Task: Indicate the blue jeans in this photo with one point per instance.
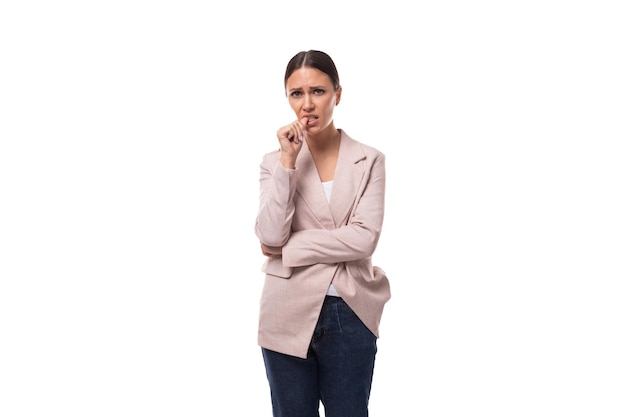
(338, 369)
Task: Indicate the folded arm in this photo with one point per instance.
(357, 239)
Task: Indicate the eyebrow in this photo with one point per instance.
(315, 87)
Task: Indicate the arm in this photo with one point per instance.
(355, 240)
(278, 186)
(276, 206)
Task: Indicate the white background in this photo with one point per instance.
(131, 134)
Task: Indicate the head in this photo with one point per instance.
(313, 89)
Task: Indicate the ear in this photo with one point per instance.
(338, 96)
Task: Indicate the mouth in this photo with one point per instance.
(311, 120)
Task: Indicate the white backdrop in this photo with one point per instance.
(131, 134)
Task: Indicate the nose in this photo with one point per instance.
(308, 102)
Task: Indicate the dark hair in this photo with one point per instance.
(314, 59)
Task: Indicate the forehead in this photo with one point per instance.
(306, 77)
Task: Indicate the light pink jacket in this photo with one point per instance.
(322, 242)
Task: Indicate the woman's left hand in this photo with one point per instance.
(271, 250)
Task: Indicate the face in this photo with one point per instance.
(311, 95)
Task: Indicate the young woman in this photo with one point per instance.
(322, 198)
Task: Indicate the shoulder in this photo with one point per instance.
(270, 158)
(354, 146)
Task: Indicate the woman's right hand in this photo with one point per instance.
(290, 138)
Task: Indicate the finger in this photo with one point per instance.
(300, 126)
(295, 132)
(294, 135)
(290, 133)
(303, 123)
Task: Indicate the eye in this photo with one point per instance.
(296, 93)
(319, 91)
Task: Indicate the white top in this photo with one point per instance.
(328, 188)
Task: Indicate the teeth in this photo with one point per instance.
(311, 118)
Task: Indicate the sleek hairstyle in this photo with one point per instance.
(314, 59)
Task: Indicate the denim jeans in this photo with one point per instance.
(338, 369)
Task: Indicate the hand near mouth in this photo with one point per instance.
(290, 138)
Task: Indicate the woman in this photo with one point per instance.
(321, 211)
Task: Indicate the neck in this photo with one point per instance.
(324, 140)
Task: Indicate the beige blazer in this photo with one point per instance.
(322, 242)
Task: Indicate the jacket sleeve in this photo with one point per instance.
(353, 241)
(276, 205)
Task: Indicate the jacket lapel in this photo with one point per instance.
(347, 181)
(310, 188)
(349, 174)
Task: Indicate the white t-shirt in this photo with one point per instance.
(328, 188)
